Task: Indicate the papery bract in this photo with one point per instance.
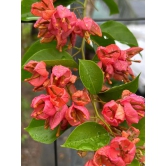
(39, 73)
(76, 115)
(109, 54)
(43, 9)
(61, 25)
(101, 157)
(43, 108)
(61, 76)
(116, 62)
(59, 96)
(59, 115)
(80, 98)
(121, 149)
(113, 113)
(87, 27)
(134, 107)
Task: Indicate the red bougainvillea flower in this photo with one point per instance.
(59, 96)
(43, 86)
(116, 62)
(61, 76)
(109, 54)
(44, 33)
(85, 27)
(122, 150)
(133, 51)
(76, 115)
(113, 113)
(43, 108)
(39, 72)
(56, 119)
(61, 25)
(101, 157)
(134, 106)
(43, 9)
(80, 98)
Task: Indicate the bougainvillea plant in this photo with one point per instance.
(115, 129)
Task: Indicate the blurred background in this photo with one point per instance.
(132, 14)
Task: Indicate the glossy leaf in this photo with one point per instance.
(63, 2)
(134, 163)
(88, 136)
(115, 92)
(51, 57)
(39, 134)
(119, 32)
(91, 76)
(103, 41)
(35, 47)
(112, 6)
(26, 8)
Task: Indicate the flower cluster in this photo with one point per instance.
(130, 107)
(60, 24)
(116, 62)
(62, 105)
(120, 152)
(52, 107)
(59, 86)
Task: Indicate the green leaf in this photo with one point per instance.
(91, 76)
(89, 136)
(119, 32)
(51, 56)
(115, 92)
(38, 133)
(105, 40)
(26, 8)
(63, 2)
(134, 163)
(35, 47)
(112, 6)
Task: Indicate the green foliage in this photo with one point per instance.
(115, 92)
(47, 53)
(91, 76)
(88, 136)
(119, 32)
(40, 134)
(112, 6)
(105, 40)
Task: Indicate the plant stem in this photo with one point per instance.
(95, 108)
(85, 4)
(80, 3)
(83, 40)
(76, 53)
(82, 48)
